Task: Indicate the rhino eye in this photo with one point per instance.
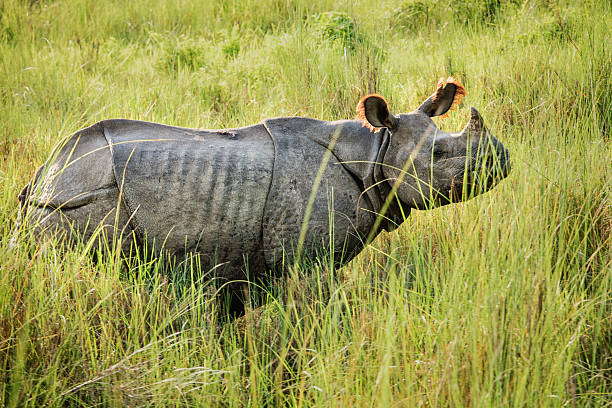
(438, 151)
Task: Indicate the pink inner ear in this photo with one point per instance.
(361, 115)
(459, 93)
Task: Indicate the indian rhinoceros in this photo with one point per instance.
(264, 194)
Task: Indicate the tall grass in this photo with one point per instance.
(504, 300)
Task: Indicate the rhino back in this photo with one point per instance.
(193, 190)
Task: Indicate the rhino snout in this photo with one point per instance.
(502, 163)
(494, 164)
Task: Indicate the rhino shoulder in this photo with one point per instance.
(312, 193)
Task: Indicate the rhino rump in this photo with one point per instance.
(75, 192)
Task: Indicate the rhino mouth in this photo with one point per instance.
(480, 180)
(455, 193)
(485, 176)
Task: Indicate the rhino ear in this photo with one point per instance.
(375, 114)
(448, 94)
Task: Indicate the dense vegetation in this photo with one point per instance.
(501, 300)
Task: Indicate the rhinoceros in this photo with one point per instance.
(256, 198)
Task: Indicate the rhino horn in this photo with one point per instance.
(475, 126)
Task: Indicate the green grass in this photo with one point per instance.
(504, 300)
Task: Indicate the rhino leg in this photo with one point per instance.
(74, 196)
(102, 220)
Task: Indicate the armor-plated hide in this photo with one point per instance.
(259, 195)
(229, 195)
(335, 162)
(195, 191)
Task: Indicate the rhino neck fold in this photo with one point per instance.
(392, 215)
(361, 152)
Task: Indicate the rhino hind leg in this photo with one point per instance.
(102, 223)
(74, 196)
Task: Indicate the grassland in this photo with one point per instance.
(504, 300)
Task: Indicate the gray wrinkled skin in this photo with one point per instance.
(240, 197)
(435, 161)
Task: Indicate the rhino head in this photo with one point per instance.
(428, 166)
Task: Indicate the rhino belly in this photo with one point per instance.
(203, 193)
